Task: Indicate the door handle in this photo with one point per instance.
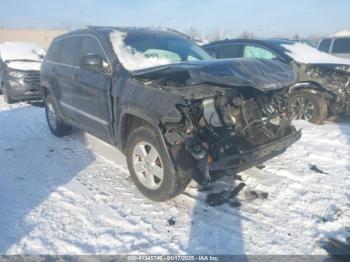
(54, 70)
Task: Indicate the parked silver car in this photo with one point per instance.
(336, 45)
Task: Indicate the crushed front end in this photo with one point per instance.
(228, 121)
(233, 130)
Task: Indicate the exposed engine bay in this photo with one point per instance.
(221, 124)
(227, 122)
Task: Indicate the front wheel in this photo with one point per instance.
(150, 168)
(57, 126)
(309, 106)
(8, 99)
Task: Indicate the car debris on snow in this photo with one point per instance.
(316, 169)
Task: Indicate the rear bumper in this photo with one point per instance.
(257, 155)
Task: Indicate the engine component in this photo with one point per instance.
(210, 113)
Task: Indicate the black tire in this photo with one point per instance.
(171, 185)
(7, 98)
(60, 128)
(308, 97)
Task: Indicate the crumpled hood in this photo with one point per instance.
(262, 74)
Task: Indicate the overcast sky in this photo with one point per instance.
(264, 18)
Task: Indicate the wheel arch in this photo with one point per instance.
(45, 91)
(313, 87)
(130, 120)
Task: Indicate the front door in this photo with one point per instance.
(95, 88)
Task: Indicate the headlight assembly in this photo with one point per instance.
(16, 74)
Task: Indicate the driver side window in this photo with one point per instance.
(90, 46)
(251, 51)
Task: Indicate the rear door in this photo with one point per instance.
(95, 88)
(226, 51)
(69, 94)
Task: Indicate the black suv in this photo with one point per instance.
(323, 87)
(176, 113)
(20, 71)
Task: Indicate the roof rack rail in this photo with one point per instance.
(167, 29)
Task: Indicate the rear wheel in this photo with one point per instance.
(309, 106)
(57, 126)
(150, 168)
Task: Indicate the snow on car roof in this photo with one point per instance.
(130, 58)
(303, 53)
(20, 51)
(342, 33)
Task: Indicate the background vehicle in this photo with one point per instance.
(323, 80)
(336, 45)
(20, 71)
(175, 112)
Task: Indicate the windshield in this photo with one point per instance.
(139, 50)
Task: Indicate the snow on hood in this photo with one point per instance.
(24, 65)
(342, 33)
(130, 58)
(303, 53)
(20, 51)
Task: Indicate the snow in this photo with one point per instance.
(73, 195)
(22, 50)
(303, 53)
(342, 33)
(130, 58)
(24, 65)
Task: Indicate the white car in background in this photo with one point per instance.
(20, 71)
(337, 44)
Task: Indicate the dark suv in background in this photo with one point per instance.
(176, 113)
(323, 87)
(20, 71)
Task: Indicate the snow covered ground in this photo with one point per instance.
(73, 195)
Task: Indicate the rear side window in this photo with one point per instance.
(69, 51)
(91, 46)
(251, 51)
(324, 45)
(54, 51)
(341, 45)
(229, 51)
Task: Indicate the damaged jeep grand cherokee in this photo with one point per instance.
(158, 97)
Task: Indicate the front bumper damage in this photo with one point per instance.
(256, 155)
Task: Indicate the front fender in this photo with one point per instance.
(133, 112)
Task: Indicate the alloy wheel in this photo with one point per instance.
(302, 108)
(148, 165)
(51, 115)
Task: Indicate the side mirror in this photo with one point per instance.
(92, 62)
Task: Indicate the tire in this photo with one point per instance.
(57, 126)
(309, 106)
(165, 187)
(7, 98)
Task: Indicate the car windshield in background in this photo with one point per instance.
(139, 50)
